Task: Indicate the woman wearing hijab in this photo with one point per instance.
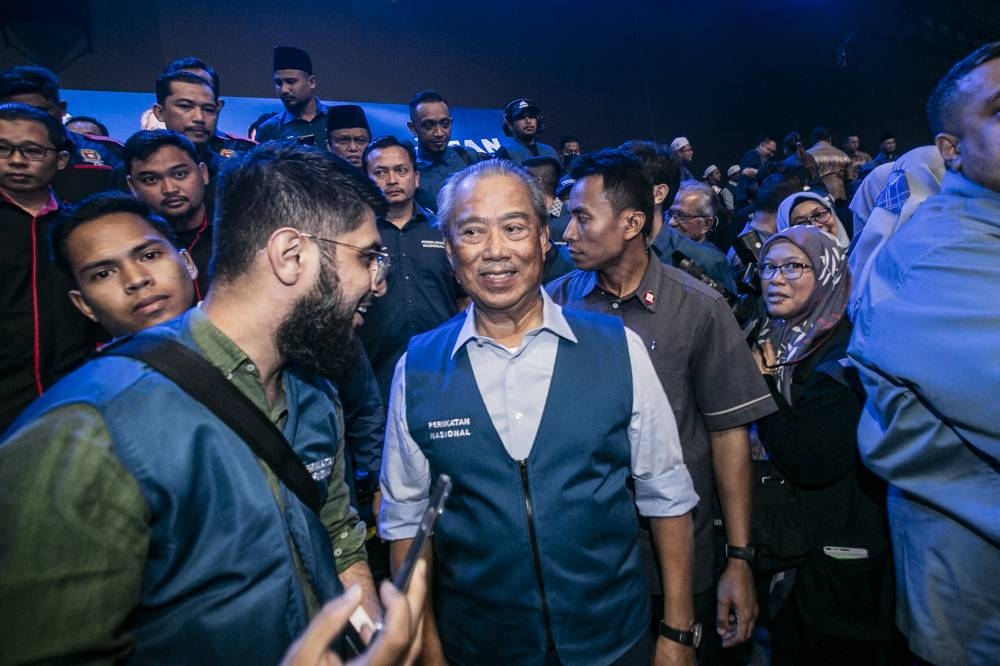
(835, 606)
(812, 209)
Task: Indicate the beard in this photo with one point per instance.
(318, 334)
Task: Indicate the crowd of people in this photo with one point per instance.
(676, 408)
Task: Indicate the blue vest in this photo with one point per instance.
(219, 584)
(489, 603)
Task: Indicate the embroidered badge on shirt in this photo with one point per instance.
(91, 156)
(226, 152)
(449, 428)
(435, 244)
(321, 469)
(649, 298)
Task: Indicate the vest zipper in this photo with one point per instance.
(550, 642)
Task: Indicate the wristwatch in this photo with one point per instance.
(689, 638)
(734, 553)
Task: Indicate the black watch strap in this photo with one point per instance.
(689, 638)
(734, 553)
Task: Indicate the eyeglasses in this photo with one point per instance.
(792, 270)
(817, 219)
(379, 261)
(684, 218)
(30, 151)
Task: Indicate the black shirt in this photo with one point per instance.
(421, 293)
(44, 335)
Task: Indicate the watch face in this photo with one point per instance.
(696, 630)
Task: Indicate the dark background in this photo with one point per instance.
(720, 73)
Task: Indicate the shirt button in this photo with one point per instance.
(615, 306)
(337, 552)
(519, 416)
(406, 277)
(251, 367)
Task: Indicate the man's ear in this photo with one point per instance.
(219, 103)
(285, 249)
(189, 264)
(448, 251)
(131, 187)
(158, 112)
(77, 299)
(660, 192)
(947, 145)
(205, 177)
(634, 223)
(413, 128)
(62, 160)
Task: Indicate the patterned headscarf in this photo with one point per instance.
(793, 337)
(784, 216)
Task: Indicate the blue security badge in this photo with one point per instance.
(449, 428)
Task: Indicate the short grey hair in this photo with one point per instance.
(708, 205)
(447, 204)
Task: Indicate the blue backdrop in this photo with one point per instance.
(120, 112)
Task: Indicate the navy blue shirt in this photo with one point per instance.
(421, 293)
(286, 126)
(435, 169)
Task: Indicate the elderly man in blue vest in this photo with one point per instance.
(554, 428)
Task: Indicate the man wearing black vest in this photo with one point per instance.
(545, 419)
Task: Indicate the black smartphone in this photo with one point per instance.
(352, 644)
(435, 507)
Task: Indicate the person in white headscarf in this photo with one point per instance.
(812, 208)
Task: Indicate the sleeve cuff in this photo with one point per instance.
(670, 494)
(400, 521)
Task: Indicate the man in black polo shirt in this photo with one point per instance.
(44, 336)
(163, 170)
(188, 103)
(421, 289)
(304, 117)
(703, 363)
(221, 143)
(92, 159)
(430, 122)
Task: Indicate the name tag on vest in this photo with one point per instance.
(449, 428)
(432, 244)
(321, 469)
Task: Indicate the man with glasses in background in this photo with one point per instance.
(44, 336)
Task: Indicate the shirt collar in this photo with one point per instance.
(552, 321)
(220, 351)
(50, 206)
(287, 117)
(647, 291)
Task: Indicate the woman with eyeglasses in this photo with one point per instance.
(812, 208)
(834, 606)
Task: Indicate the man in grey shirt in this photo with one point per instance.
(700, 357)
(540, 538)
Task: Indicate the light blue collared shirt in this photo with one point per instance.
(514, 384)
